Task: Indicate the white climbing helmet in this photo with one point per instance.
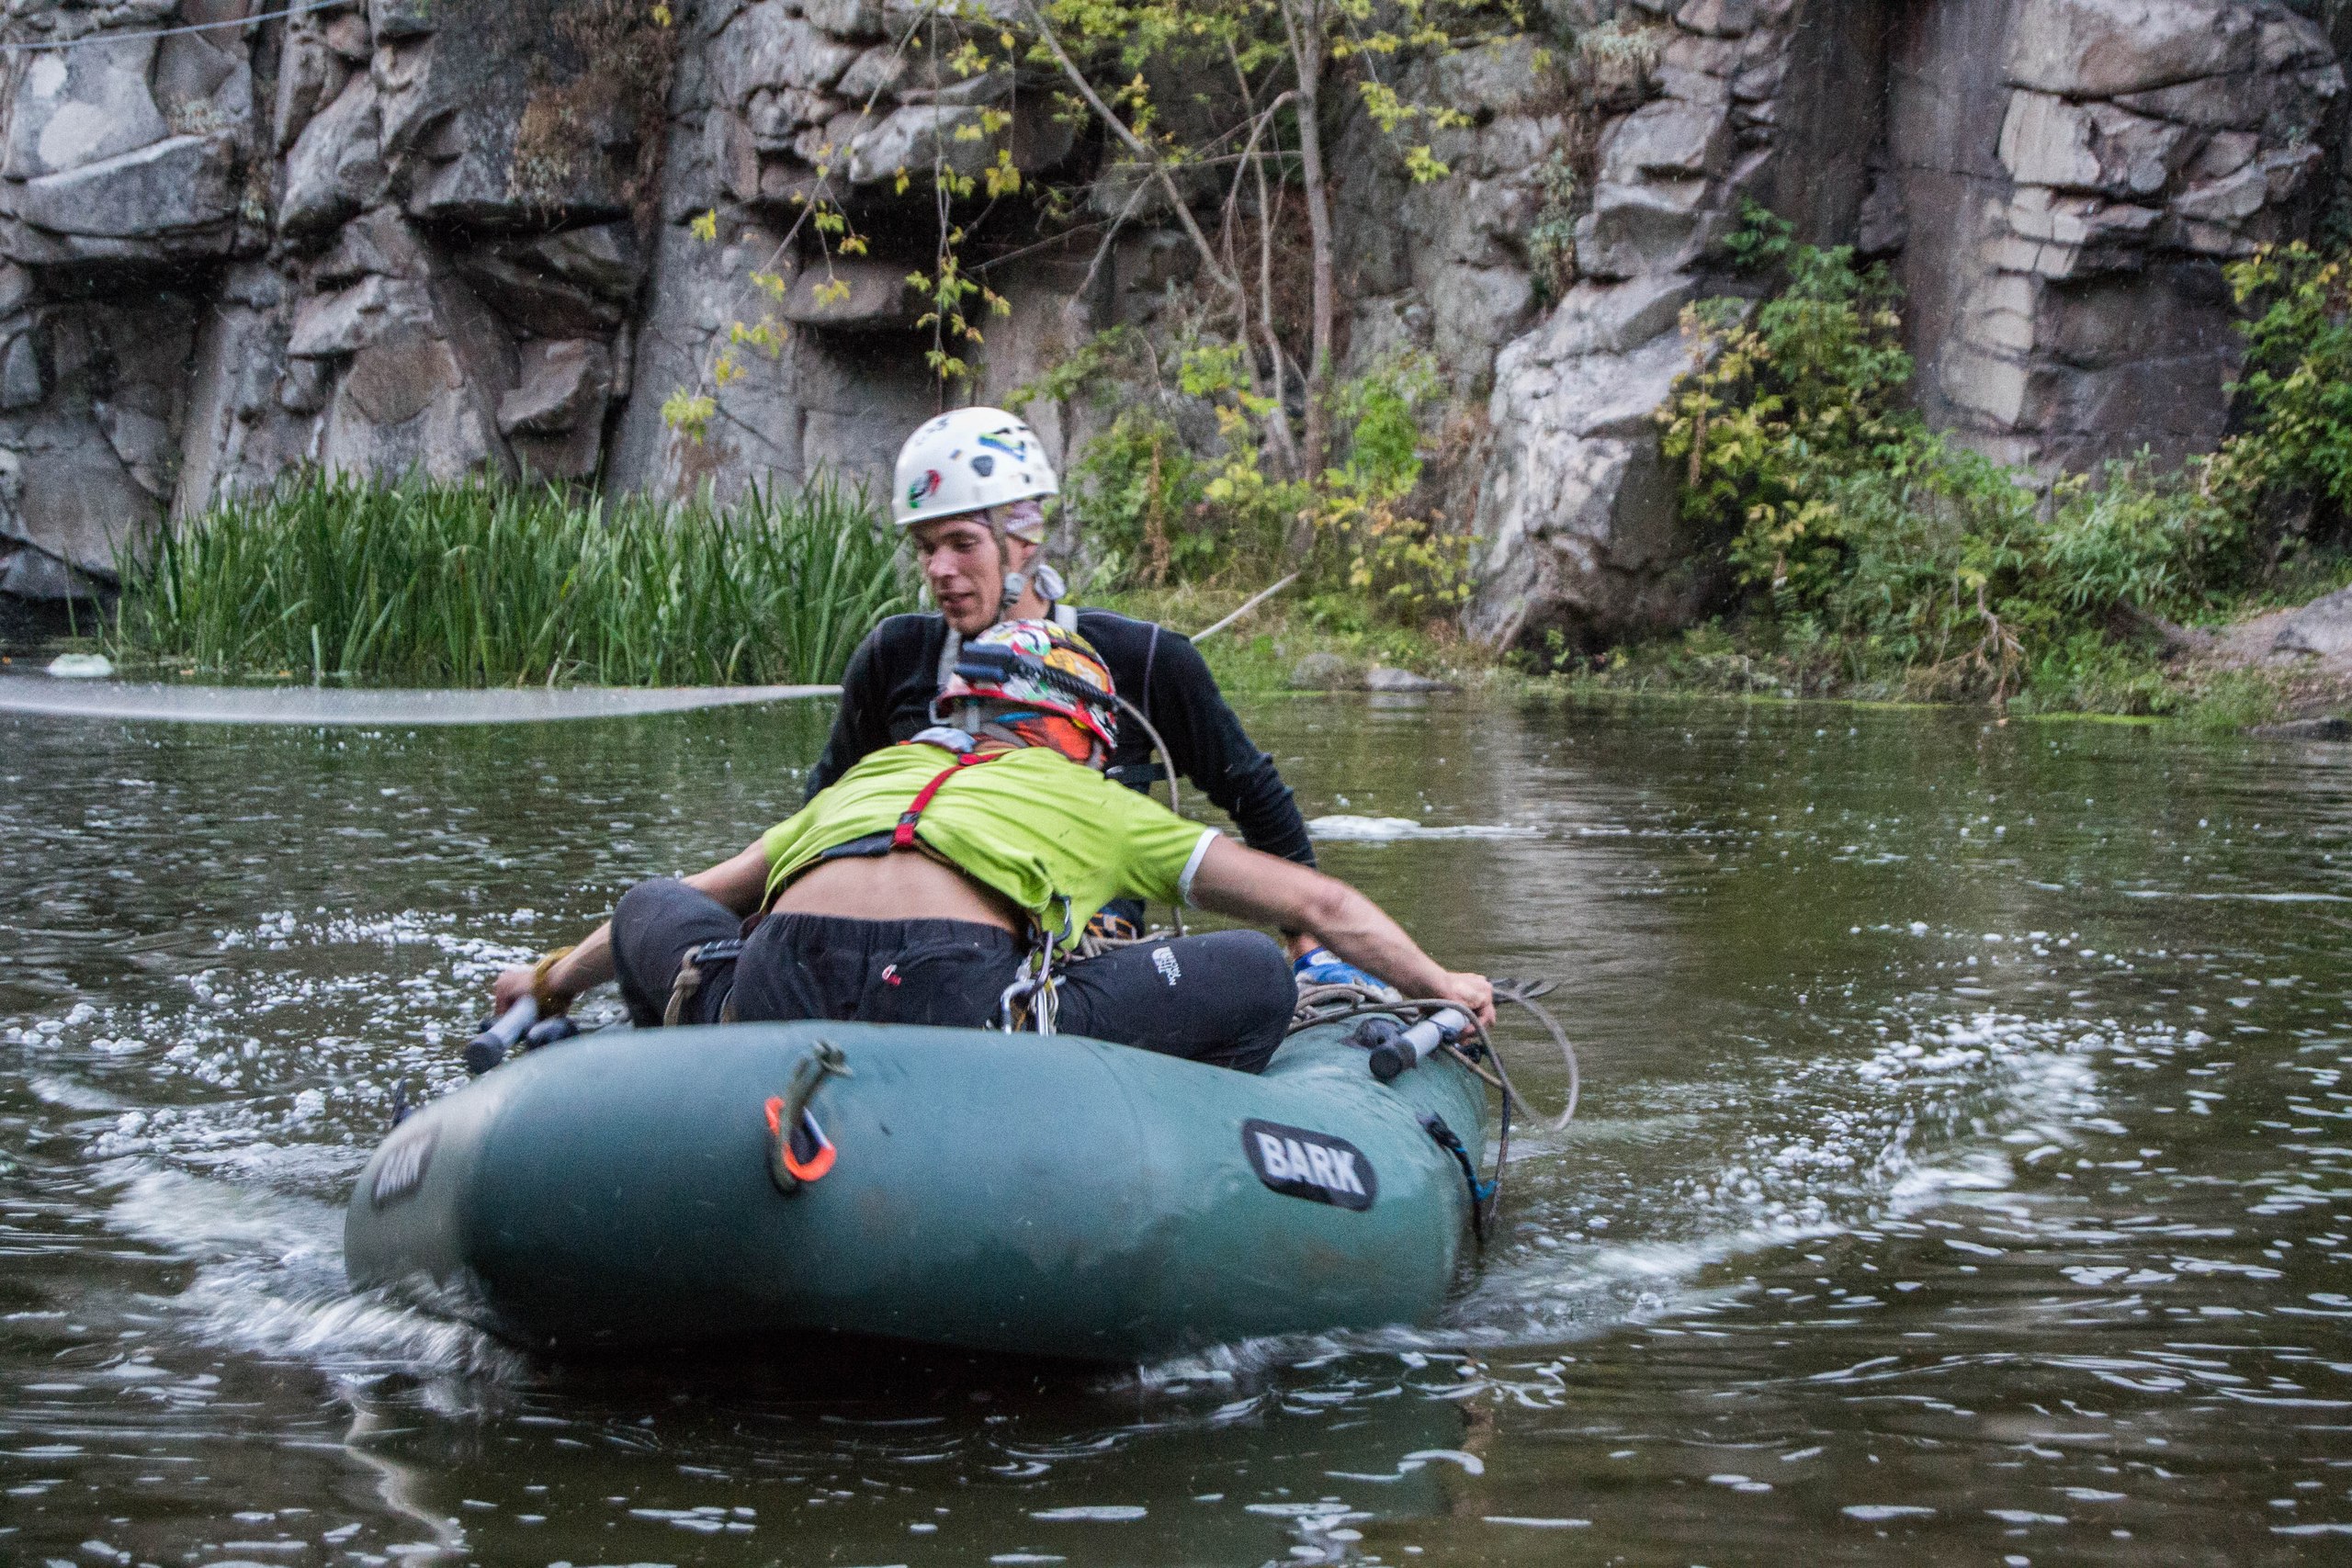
(969, 460)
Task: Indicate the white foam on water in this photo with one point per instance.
(269, 1281)
(1091, 1513)
(2239, 898)
(1937, 1107)
(280, 1074)
(1346, 829)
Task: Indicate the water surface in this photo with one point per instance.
(1964, 1171)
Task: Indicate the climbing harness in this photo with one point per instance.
(799, 1153)
(1030, 999)
(902, 837)
(689, 979)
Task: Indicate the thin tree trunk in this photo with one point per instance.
(1285, 444)
(1230, 282)
(1302, 19)
(1146, 154)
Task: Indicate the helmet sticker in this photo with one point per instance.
(969, 460)
(1063, 675)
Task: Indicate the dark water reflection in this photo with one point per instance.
(1965, 1167)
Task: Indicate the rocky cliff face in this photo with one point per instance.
(459, 235)
(2056, 182)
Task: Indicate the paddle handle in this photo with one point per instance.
(1408, 1048)
(489, 1048)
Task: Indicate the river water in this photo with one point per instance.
(1965, 1173)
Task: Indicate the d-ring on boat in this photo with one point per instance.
(1033, 1194)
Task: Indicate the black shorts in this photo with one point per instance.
(1224, 998)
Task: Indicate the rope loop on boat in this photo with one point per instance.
(799, 1151)
(1482, 1194)
(1329, 1004)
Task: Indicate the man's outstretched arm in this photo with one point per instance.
(1249, 885)
(736, 883)
(1212, 750)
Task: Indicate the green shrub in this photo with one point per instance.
(1906, 559)
(1137, 492)
(2154, 540)
(1166, 514)
(1406, 564)
(2296, 398)
(1786, 400)
(1552, 238)
(475, 584)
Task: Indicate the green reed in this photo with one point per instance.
(477, 583)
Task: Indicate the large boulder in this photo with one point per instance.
(2103, 48)
(575, 283)
(87, 470)
(2066, 301)
(336, 164)
(555, 415)
(250, 411)
(1580, 520)
(80, 105)
(1577, 519)
(494, 117)
(124, 148)
(416, 364)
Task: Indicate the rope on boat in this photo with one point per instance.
(1331, 1003)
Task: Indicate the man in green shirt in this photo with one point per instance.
(946, 881)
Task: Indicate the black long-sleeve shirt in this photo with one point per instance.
(894, 674)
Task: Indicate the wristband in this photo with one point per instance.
(547, 999)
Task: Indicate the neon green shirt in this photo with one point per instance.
(1031, 824)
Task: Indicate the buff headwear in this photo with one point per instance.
(1044, 684)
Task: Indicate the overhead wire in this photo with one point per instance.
(34, 46)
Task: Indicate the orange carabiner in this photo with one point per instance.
(791, 1167)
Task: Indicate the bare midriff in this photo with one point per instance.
(905, 885)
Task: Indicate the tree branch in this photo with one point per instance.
(1286, 444)
(1142, 150)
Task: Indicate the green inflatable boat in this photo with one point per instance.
(1035, 1195)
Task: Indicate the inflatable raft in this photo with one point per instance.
(1036, 1195)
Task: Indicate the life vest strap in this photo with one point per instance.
(903, 835)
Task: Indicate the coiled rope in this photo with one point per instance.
(1332, 1003)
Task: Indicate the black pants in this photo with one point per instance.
(1224, 998)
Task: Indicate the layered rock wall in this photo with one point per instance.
(453, 236)
(2066, 298)
(2055, 182)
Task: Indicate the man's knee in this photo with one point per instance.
(647, 904)
(1254, 979)
(654, 924)
(1253, 968)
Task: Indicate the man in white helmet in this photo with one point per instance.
(966, 493)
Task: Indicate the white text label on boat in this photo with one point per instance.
(401, 1170)
(1314, 1165)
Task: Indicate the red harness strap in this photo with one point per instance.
(903, 835)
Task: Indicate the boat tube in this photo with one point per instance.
(1043, 1195)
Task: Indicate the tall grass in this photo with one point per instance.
(477, 583)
